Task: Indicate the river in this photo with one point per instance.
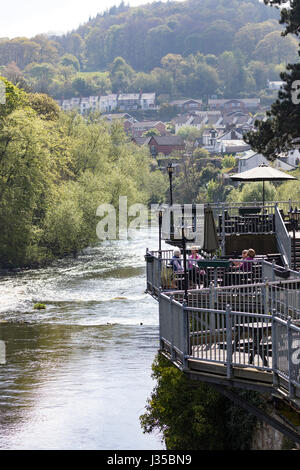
(78, 374)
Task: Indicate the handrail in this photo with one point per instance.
(258, 341)
(283, 238)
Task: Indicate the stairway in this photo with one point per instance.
(297, 253)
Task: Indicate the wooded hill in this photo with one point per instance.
(191, 48)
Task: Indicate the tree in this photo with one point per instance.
(44, 105)
(275, 134)
(151, 132)
(193, 416)
(274, 48)
(289, 16)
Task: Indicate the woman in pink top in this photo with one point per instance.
(194, 272)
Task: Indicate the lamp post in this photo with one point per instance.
(160, 216)
(183, 238)
(170, 169)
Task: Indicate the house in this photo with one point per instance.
(231, 146)
(133, 101)
(139, 128)
(72, 103)
(209, 138)
(199, 119)
(108, 103)
(187, 105)
(166, 144)
(161, 144)
(230, 142)
(148, 100)
(227, 105)
(253, 159)
(128, 101)
(277, 85)
(293, 156)
(242, 122)
(126, 118)
(250, 160)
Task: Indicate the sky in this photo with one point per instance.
(31, 17)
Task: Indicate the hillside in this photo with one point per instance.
(192, 48)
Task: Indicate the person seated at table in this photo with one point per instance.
(247, 263)
(175, 262)
(239, 264)
(195, 274)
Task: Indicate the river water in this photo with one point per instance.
(78, 374)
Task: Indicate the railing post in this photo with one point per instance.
(274, 350)
(273, 270)
(172, 328)
(212, 301)
(289, 335)
(223, 232)
(266, 297)
(185, 335)
(159, 272)
(229, 341)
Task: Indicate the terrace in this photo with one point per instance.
(233, 327)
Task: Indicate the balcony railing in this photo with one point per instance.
(235, 339)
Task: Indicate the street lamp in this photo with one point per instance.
(170, 169)
(160, 216)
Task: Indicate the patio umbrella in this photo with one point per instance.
(262, 173)
(211, 241)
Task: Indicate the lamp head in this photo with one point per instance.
(170, 169)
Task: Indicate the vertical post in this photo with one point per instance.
(290, 368)
(274, 349)
(159, 231)
(184, 265)
(172, 329)
(170, 169)
(223, 246)
(229, 341)
(212, 306)
(266, 298)
(185, 335)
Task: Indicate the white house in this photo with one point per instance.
(147, 100)
(108, 103)
(250, 160)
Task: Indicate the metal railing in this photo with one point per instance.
(161, 275)
(232, 338)
(261, 298)
(283, 238)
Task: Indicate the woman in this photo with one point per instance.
(247, 263)
(195, 273)
(175, 262)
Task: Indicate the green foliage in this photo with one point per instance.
(55, 170)
(39, 306)
(228, 162)
(275, 134)
(176, 50)
(192, 415)
(253, 192)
